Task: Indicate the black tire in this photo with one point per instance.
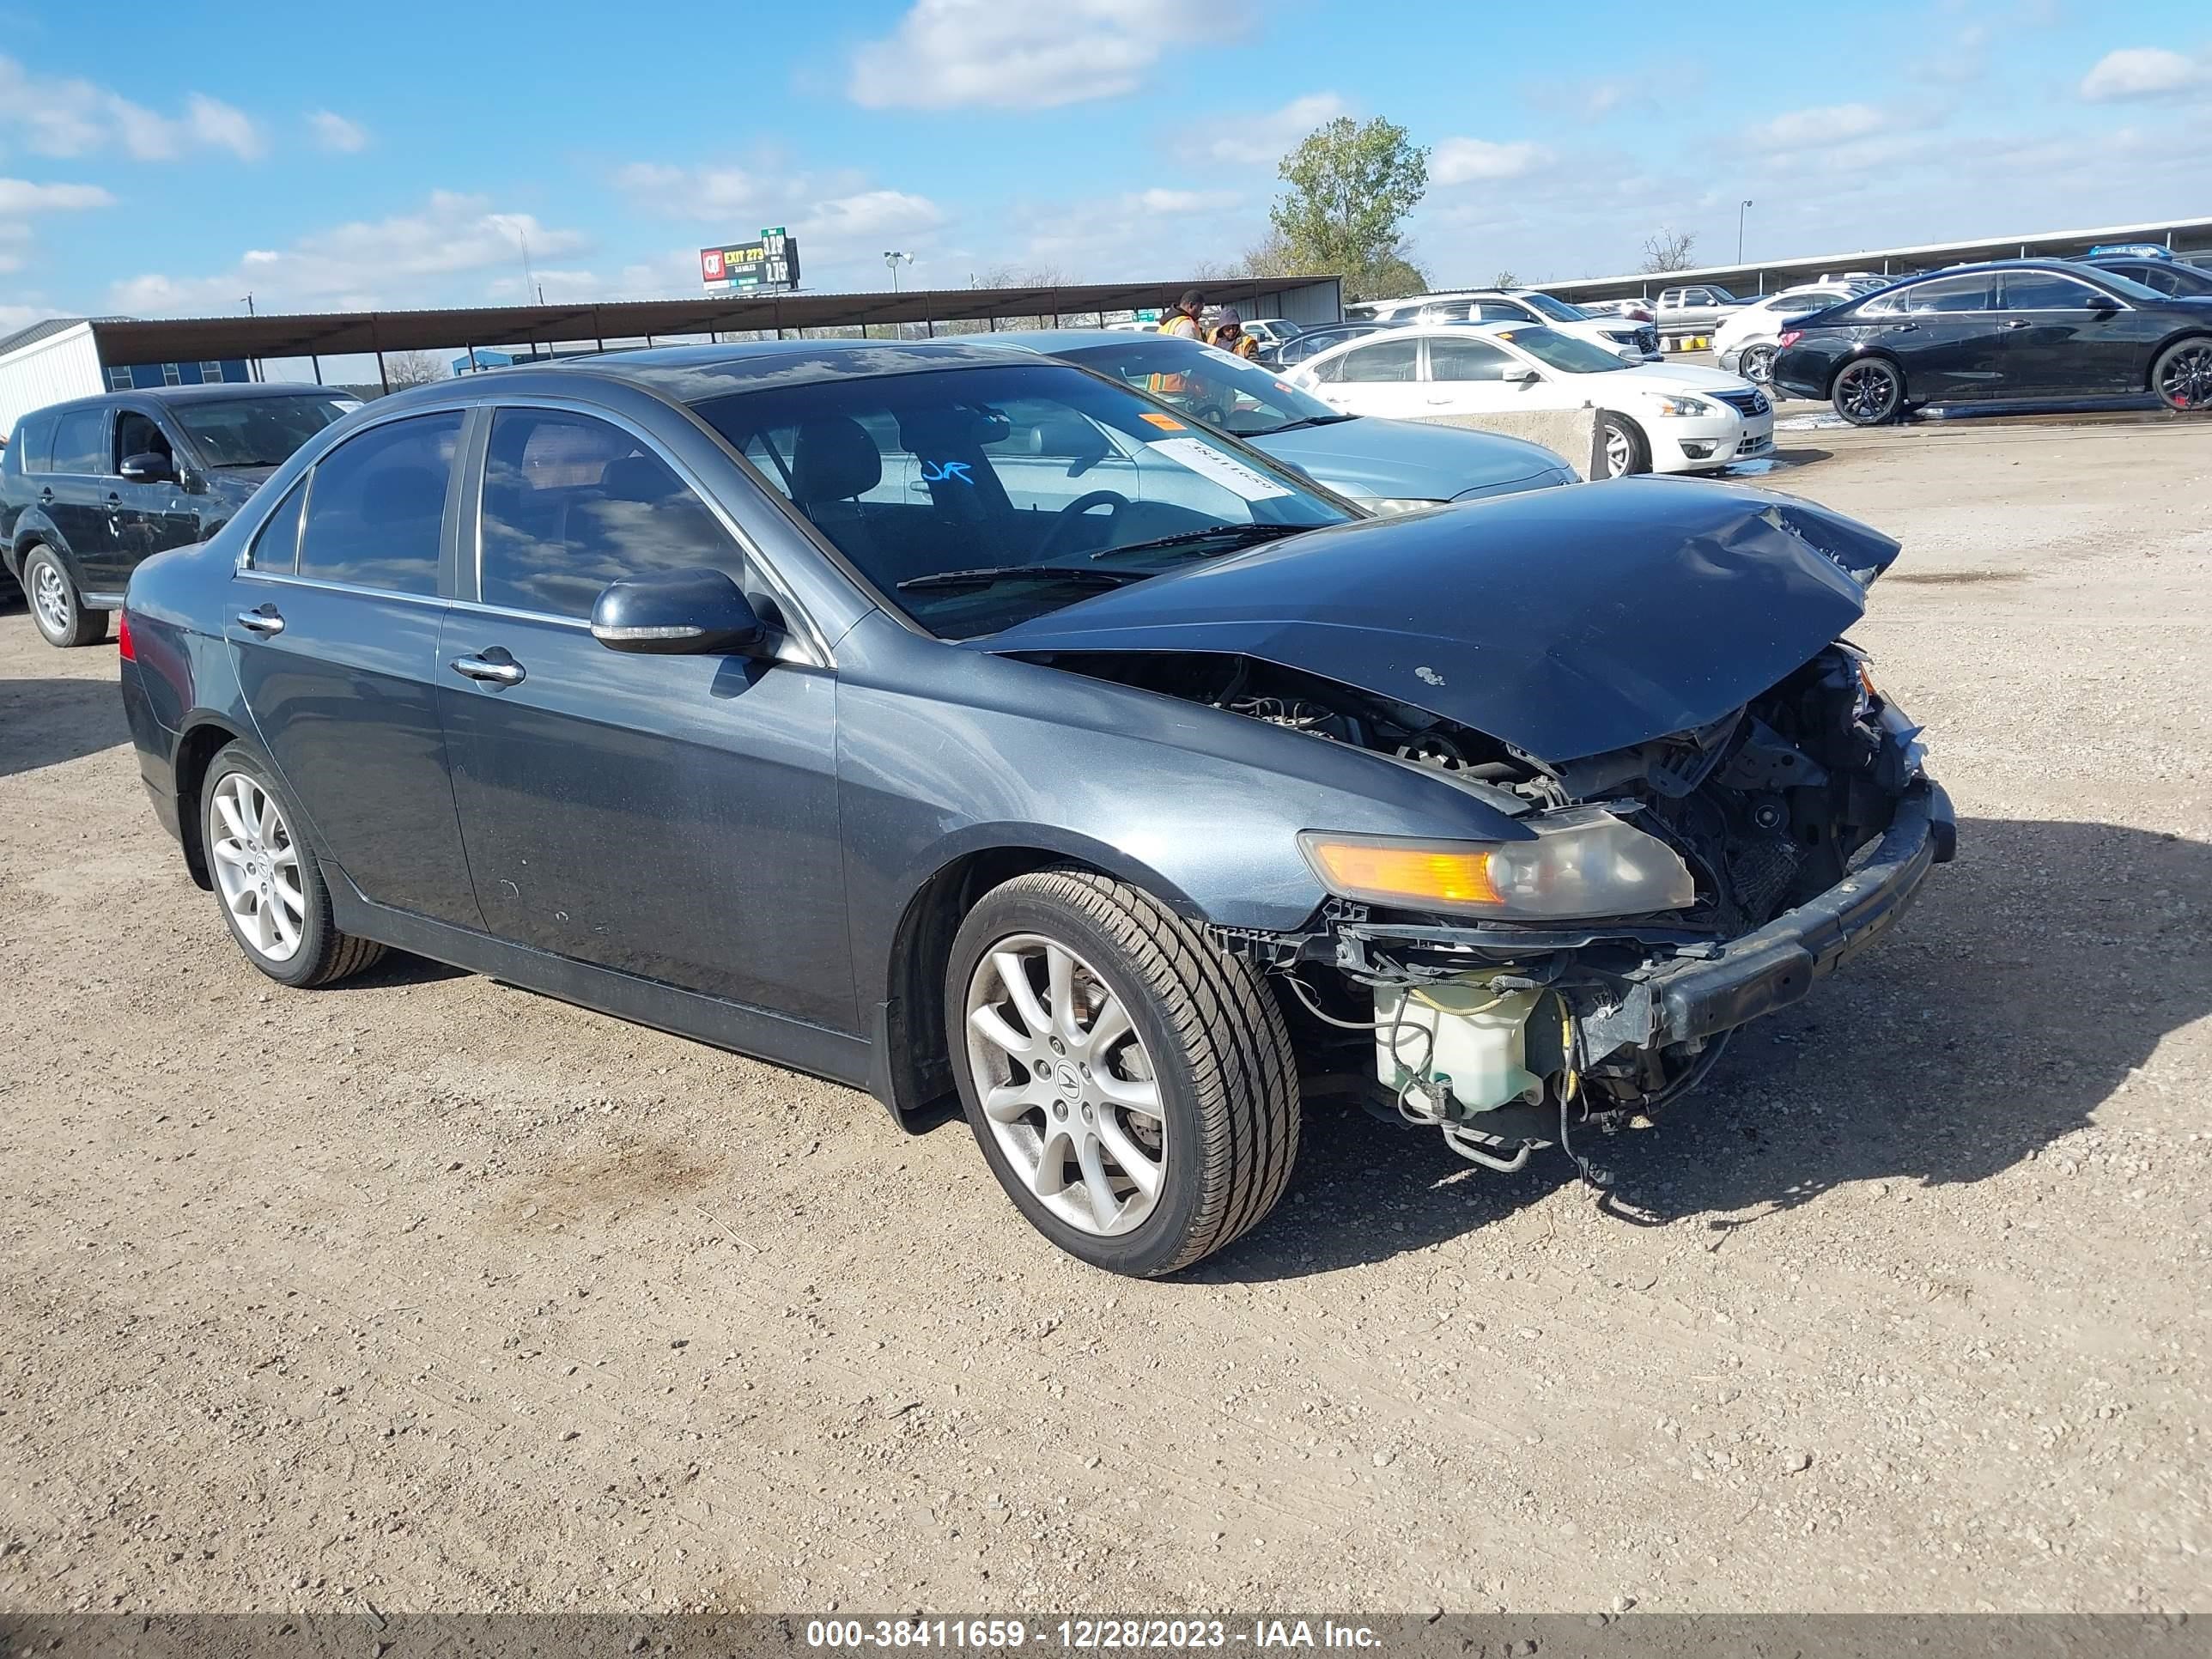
(1869, 390)
(2182, 376)
(57, 613)
(1220, 1055)
(1757, 365)
(323, 954)
(1626, 450)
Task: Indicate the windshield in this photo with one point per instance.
(257, 431)
(1229, 393)
(1557, 310)
(1563, 351)
(1025, 488)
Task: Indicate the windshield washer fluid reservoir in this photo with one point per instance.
(1475, 1041)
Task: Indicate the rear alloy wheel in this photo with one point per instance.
(2183, 374)
(273, 897)
(1869, 391)
(60, 615)
(1131, 1086)
(1757, 365)
(1625, 452)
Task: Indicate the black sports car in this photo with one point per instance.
(2017, 330)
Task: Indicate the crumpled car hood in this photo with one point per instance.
(1566, 622)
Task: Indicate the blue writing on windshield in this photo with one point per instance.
(940, 472)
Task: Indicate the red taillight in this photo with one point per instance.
(122, 637)
(1789, 339)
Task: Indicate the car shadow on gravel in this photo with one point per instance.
(2033, 975)
(45, 722)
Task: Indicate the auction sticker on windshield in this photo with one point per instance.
(1209, 463)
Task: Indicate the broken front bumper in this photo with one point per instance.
(1693, 997)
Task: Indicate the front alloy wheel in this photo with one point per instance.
(1130, 1082)
(1067, 1084)
(2183, 374)
(1757, 366)
(1868, 393)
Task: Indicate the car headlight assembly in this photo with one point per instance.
(1387, 505)
(1581, 863)
(1681, 405)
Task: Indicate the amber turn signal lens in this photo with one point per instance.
(1371, 869)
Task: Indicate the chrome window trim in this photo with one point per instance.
(805, 633)
(288, 580)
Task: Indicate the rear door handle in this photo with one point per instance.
(47, 494)
(2016, 322)
(1903, 328)
(264, 621)
(508, 672)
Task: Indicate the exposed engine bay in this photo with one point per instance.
(1504, 1033)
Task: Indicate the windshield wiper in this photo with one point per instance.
(1310, 420)
(987, 575)
(1243, 533)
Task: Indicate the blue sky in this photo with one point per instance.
(402, 154)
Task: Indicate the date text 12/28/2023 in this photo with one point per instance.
(986, 1635)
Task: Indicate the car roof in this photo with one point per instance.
(690, 373)
(211, 392)
(1072, 340)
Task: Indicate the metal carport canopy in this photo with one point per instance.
(337, 333)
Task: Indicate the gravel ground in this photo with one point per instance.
(432, 1294)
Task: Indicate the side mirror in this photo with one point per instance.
(679, 613)
(1520, 375)
(2103, 305)
(149, 468)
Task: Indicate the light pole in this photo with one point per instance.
(891, 258)
(1740, 212)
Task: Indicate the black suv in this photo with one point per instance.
(90, 488)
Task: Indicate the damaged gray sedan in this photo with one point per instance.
(953, 723)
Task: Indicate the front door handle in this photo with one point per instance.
(2016, 322)
(47, 494)
(503, 672)
(1903, 328)
(264, 621)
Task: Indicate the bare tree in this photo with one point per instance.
(1668, 250)
(404, 368)
(1506, 279)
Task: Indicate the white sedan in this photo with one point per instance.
(1657, 417)
(1745, 343)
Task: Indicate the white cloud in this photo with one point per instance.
(408, 258)
(1264, 139)
(947, 54)
(334, 132)
(18, 197)
(76, 117)
(1812, 129)
(1471, 161)
(1167, 203)
(2141, 72)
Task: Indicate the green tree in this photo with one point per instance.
(1352, 186)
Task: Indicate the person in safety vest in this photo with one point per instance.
(1182, 321)
(1228, 334)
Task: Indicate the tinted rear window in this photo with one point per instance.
(31, 448)
(80, 441)
(376, 505)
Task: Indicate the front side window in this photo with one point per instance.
(572, 504)
(1565, 352)
(1231, 393)
(138, 433)
(1384, 362)
(1466, 360)
(2046, 290)
(258, 431)
(973, 498)
(376, 505)
(80, 441)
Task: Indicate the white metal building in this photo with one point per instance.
(47, 363)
